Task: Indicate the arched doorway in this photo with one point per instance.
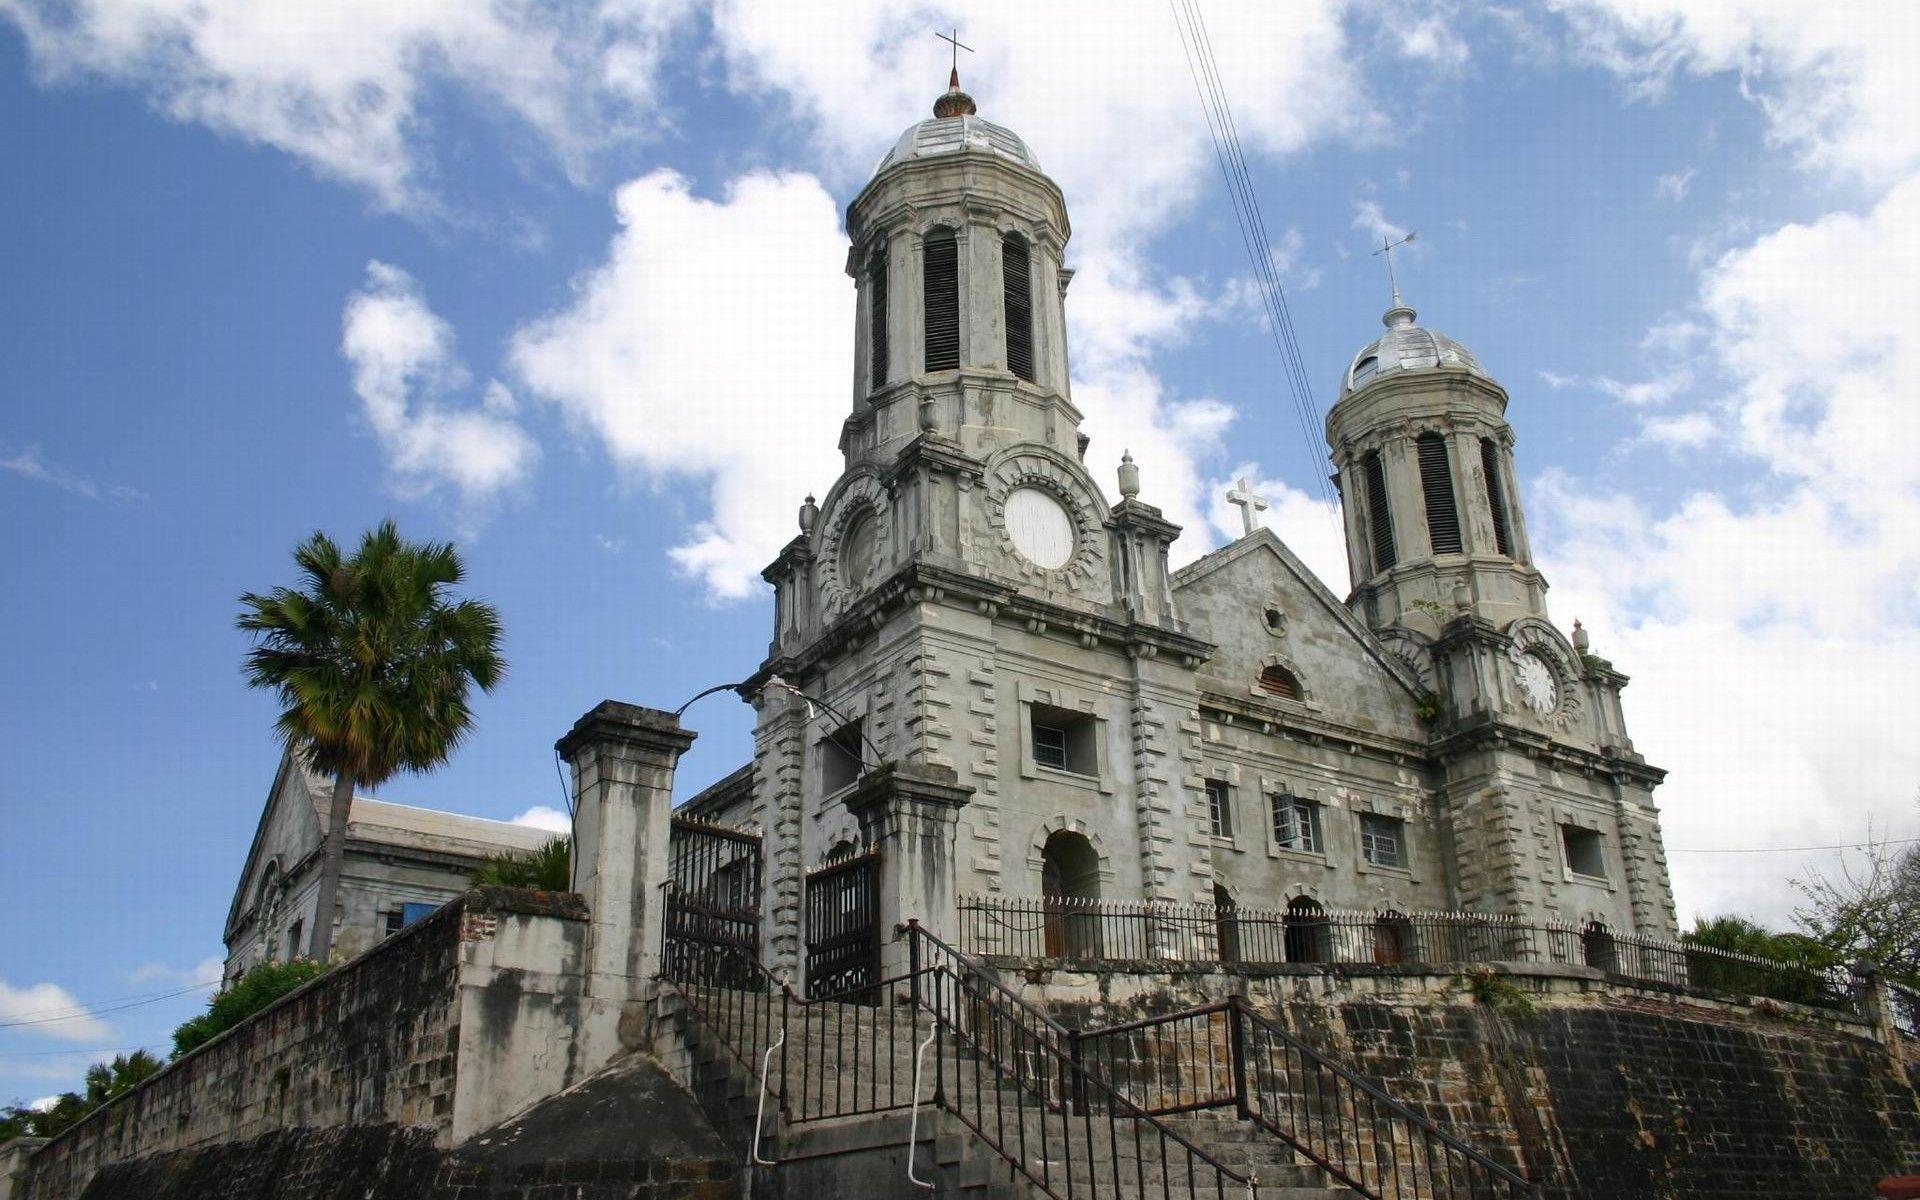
(1307, 935)
(1392, 938)
(1226, 924)
(1596, 947)
(1070, 882)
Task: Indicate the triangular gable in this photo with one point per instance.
(1266, 541)
(290, 802)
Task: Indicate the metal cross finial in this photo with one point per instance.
(958, 46)
(1387, 248)
(1250, 504)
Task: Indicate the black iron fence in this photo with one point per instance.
(1227, 1055)
(1118, 930)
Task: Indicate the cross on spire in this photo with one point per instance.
(953, 80)
(1387, 248)
(1250, 505)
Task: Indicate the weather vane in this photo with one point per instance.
(1387, 248)
(958, 46)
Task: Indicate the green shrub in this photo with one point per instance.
(548, 868)
(255, 990)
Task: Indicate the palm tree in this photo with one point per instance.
(373, 661)
(548, 867)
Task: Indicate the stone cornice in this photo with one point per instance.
(1484, 731)
(616, 723)
(1309, 727)
(921, 581)
(1132, 514)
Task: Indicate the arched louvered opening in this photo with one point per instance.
(940, 299)
(1496, 496)
(1278, 681)
(1436, 481)
(1016, 272)
(1379, 518)
(877, 317)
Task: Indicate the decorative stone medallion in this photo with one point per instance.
(853, 543)
(1543, 674)
(1050, 533)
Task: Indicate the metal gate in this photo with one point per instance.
(843, 926)
(713, 904)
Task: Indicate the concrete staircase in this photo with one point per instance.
(840, 1125)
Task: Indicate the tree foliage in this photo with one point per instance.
(252, 992)
(105, 1081)
(1869, 910)
(549, 867)
(374, 662)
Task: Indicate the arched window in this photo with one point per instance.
(1436, 481)
(877, 316)
(1496, 496)
(1596, 947)
(1392, 938)
(1278, 681)
(940, 299)
(1016, 274)
(1379, 517)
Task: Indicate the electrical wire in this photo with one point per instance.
(76, 1012)
(1787, 849)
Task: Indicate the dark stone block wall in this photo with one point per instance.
(1603, 1092)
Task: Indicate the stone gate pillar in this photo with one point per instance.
(909, 814)
(623, 760)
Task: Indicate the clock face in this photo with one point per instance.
(858, 549)
(1538, 683)
(1041, 530)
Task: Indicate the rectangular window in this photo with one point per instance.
(1496, 496)
(940, 298)
(877, 317)
(1436, 481)
(1219, 808)
(841, 758)
(395, 921)
(293, 940)
(1064, 739)
(1379, 516)
(1383, 840)
(1296, 824)
(1586, 851)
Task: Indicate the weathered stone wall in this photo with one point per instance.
(373, 1040)
(444, 1030)
(1601, 1090)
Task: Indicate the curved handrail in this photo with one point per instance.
(976, 968)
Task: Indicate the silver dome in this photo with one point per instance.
(951, 135)
(1408, 347)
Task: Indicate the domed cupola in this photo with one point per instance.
(1420, 437)
(957, 248)
(1406, 346)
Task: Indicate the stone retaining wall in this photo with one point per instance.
(1592, 1088)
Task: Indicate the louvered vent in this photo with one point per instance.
(1379, 517)
(1016, 271)
(1436, 480)
(877, 316)
(1496, 496)
(941, 299)
(1279, 681)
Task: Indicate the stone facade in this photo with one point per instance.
(966, 598)
(399, 861)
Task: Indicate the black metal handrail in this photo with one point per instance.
(1227, 1054)
(1068, 1131)
(1109, 931)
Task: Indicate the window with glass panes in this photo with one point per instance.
(1296, 824)
(1219, 808)
(1383, 840)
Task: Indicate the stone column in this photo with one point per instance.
(623, 760)
(908, 814)
(16, 1166)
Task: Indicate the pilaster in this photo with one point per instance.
(909, 815)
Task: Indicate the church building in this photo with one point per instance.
(965, 597)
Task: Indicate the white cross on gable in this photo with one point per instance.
(1250, 504)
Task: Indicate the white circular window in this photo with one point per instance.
(1040, 528)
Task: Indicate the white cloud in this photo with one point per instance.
(50, 1010)
(403, 367)
(710, 353)
(1647, 393)
(344, 86)
(207, 971)
(1836, 81)
(28, 463)
(1686, 431)
(540, 816)
(1372, 220)
(1674, 187)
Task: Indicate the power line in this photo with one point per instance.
(1787, 849)
(75, 1012)
(1197, 45)
(95, 1050)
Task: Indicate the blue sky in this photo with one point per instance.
(566, 286)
